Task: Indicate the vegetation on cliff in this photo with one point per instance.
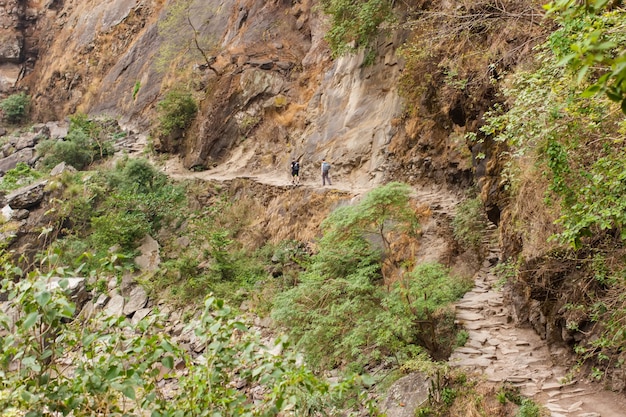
(565, 170)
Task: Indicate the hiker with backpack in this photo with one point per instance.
(295, 172)
(325, 171)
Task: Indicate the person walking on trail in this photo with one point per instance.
(325, 171)
(295, 172)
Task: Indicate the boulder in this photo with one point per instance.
(24, 155)
(406, 395)
(6, 213)
(136, 301)
(149, 259)
(115, 306)
(57, 130)
(27, 197)
(76, 289)
(60, 168)
(26, 140)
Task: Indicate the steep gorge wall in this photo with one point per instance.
(276, 94)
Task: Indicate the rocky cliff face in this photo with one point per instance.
(272, 93)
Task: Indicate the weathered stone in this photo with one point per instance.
(25, 155)
(115, 306)
(102, 300)
(149, 259)
(60, 168)
(263, 322)
(7, 213)
(136, 301)
(406, 395)
(140, 315)
(57, 130)
(27, 197)
(75, 289)
(21, 214)
(26, 140)
(11, 45)
(262, 64)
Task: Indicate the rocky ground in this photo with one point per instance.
(507, 353)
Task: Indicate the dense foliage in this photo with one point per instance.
(18, 177)
(176, 111)
(112, 210)
(86, 142)
(598, 49)
(15, 107)
(566, 150)
(51, 364)
(355, 24)
(342, 313)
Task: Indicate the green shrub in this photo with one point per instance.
(355, 24)
(469, 223)
(117, 365)
(176, 111)
(74, 150)
(15, 108)
(341, 313)
(18, 177)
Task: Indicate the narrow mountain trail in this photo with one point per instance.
(506, 353)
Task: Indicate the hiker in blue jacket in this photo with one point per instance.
(325, 171)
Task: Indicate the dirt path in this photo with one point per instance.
(501, 350)
(507, 353)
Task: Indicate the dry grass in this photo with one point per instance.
(528, 208)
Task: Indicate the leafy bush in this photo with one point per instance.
(597, 48)
(573, 134)
(74, 150)
(176, 111)
(15, 107)
(18, 177)
(113, 208)
(340, 312)
(86, 142)
(114, 366)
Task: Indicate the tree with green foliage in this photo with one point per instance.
(176, 112)
(54, 363)
(15, 108)
(341, 313)
(597, 49)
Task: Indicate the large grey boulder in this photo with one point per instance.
(27, 197)
(136, 301)
(25, 155)
(406, 395)
(149, 259)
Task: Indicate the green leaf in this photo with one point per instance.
(240, 326)
(43, 298)
(168, 362)
(30, 320)
(129, 391)
(591, 91)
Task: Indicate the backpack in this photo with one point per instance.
(325, 167)
(296, 165)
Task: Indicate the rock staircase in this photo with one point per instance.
(508, 354)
